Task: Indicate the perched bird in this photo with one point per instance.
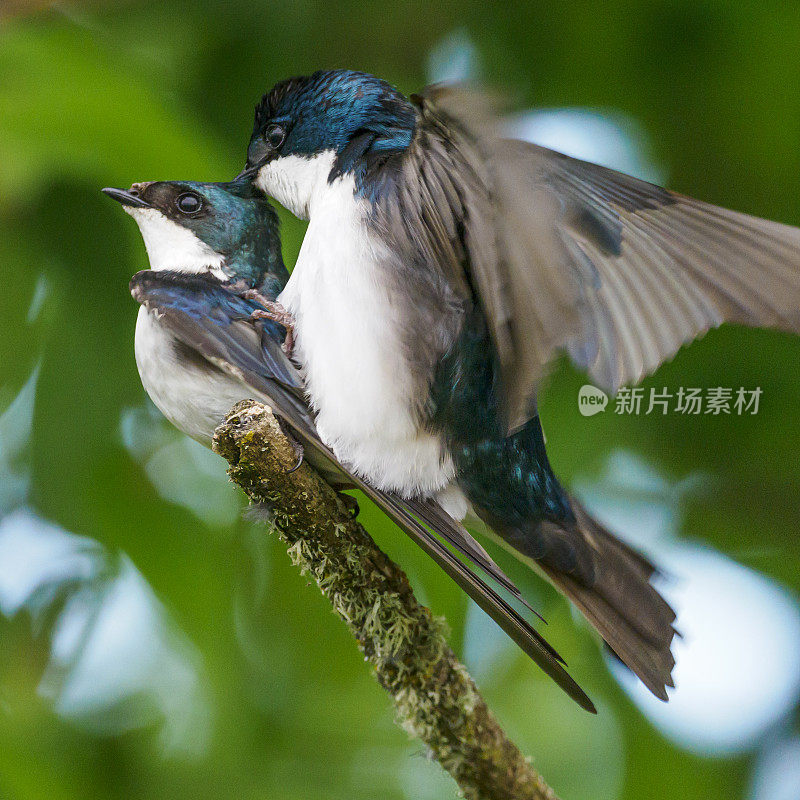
(444, 268)
(205, 340)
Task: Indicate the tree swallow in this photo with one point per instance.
(203, 343)
(444, 268)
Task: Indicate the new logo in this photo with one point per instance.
(591, 400)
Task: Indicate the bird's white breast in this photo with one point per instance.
(193, 399)
(348, 338)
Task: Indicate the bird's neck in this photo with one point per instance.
(258, 262)
(303, 183)
(172, 247)
(297, 182)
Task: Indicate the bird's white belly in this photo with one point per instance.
(192, 399)
(357, 375)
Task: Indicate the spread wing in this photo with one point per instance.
(214, 323)
(564, 255)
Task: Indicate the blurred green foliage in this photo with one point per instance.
(106, 94)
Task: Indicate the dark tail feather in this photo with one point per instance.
(633, 618)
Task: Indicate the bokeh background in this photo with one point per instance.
(153, 644)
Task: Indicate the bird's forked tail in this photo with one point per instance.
(619, 600)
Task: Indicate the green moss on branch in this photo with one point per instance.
(436, 699)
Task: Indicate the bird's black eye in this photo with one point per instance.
(189, 203)
(275, 135)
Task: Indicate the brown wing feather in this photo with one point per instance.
(566, 255)
(682, 267)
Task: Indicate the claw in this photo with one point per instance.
(239, 287)
(299, 455)
(298, 448)
(252, 294)
(350, 503)
(271, 310)
(277, 313)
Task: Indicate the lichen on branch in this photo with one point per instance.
(435, 698)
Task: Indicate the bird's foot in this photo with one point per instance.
(243, 290)
(298, 448)
(238, 287)
(277, 313)
(350, 503)
(271, 310)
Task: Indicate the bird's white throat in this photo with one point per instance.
(173, 247)
(297, 182)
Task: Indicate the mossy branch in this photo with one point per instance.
(436, 699)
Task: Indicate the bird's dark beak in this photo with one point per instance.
(258, 153)
(128, 197)
(249, 172)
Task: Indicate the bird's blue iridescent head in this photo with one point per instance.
(350, 117)
(226, 228)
